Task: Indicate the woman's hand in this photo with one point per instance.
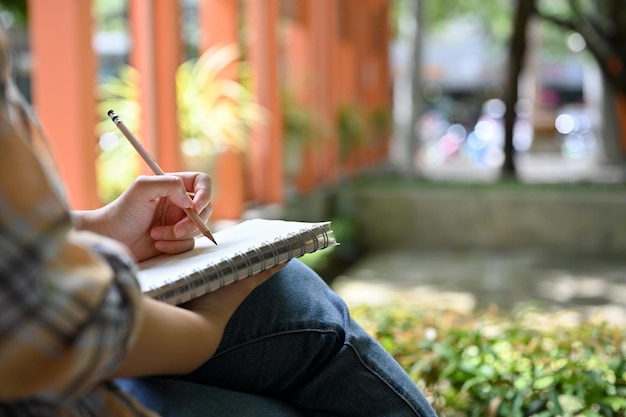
(149, 216)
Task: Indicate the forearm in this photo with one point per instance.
(172, 340)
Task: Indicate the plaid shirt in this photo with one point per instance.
(69, 300)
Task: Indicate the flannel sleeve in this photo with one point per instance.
(69, 301)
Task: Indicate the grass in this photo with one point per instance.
(493, 363)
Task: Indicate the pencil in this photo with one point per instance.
(195, 218)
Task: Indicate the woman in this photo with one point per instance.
(77, 337)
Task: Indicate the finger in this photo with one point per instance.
(202, 195)
(199, 185)
(183, 229)
(174, 246)
(187, 228)
(153, 187)
(206, 213)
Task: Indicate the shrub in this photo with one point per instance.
(526, 363)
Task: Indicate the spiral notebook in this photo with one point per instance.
(242, 250)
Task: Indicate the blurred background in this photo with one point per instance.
(469, 154)
(415, 125)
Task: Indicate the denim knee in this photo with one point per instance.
(294, 299)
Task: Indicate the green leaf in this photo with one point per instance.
(556, 404)
(616, 403)
(591, 413)
(543, 382)
(518, 404)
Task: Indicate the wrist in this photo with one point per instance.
(80, 219)
(88, 220)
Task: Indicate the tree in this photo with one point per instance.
(602, 24)
(517, 51)
(418, 16)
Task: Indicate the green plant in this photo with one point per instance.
(17, 8)
(117, 163)
(215, 113)
(380, 122)
(298, 120)
(350, 129)
(298, 130)
(530, 363)
(302, 128)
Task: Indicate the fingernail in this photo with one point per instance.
(180, 231)
(190, 206)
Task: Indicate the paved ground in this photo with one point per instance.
(474, 280)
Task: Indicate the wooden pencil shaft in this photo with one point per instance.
(133, 141)
(140, 149)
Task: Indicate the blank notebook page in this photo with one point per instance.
(231, 243)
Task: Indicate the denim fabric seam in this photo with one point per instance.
(379, 376)
(274, 334)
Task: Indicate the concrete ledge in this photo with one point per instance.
(585, 221)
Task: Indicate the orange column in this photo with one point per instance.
(320, 27)
(361, 45)
(63, 90)
(156, 54)
(301, 71)
(219, 25)
(348, 68)
(266, 147)
(384, 80)
(371, 73)
(378, 84)
(218, 22)
(327, 63)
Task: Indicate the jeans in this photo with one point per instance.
(293, 345)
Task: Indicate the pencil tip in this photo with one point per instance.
(211, 238)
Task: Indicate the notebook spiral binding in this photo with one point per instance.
(244, 264)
